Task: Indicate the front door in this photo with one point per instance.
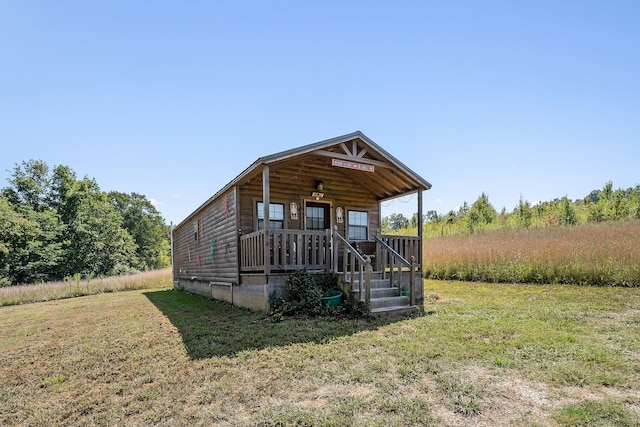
(318, 216)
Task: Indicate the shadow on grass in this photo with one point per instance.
(213, 328)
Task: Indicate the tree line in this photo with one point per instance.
(55, 226)
(606, 204)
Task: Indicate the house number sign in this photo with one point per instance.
(352, 165)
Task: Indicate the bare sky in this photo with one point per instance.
(533, 99)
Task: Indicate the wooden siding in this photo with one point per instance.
(296, 183)
(212, 256)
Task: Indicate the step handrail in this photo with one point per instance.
(410, 264)
(363, 264)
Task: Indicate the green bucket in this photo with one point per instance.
(333, 299)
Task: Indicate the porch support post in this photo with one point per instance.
(173, 267)
(420, 236)
(266, 200)
(367, 281)
(334, 249)
(239, 254)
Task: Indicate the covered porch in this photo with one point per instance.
(392, 258)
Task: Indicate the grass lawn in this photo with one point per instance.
(482, 354)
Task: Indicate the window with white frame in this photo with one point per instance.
(358, 225)
(276, 215)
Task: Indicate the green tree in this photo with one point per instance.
(30, 250)
(596, 212)
(480, 214)
(96, 242)
(29, 185)
(635, 198)
(54, 225)
(431, 216)
(413, 222)
(144, 223)
(397, 222)
(524, 213)
(463, 209)
(63, 185)
(610, 204)
(567, 211)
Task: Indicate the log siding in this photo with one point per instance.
(209, 254)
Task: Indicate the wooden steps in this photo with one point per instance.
(385, 298)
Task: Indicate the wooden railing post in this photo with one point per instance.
(334, 246)
(328, 247)
(352, 272)
(367, 281)
(412, 280)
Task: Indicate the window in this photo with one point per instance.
(358, 225)
(317, 216)
(196, 228)
(276, 215)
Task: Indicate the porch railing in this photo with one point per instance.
(354, 263)
(393, 264)
(405, 246)
(288, 250)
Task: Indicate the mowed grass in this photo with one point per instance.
(481, 354)
(38, 292)
(604, 254)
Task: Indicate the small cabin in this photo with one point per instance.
(315, 208)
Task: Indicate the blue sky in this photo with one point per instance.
(533, 99)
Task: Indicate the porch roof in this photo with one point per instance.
(351, 151)
(392, 177)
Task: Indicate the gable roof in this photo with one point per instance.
(398, 177)
(392, 178)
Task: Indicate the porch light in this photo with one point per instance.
(318, 194)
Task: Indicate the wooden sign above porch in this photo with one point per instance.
(352, 165)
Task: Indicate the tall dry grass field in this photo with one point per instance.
(605, 254)
(38, 292)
